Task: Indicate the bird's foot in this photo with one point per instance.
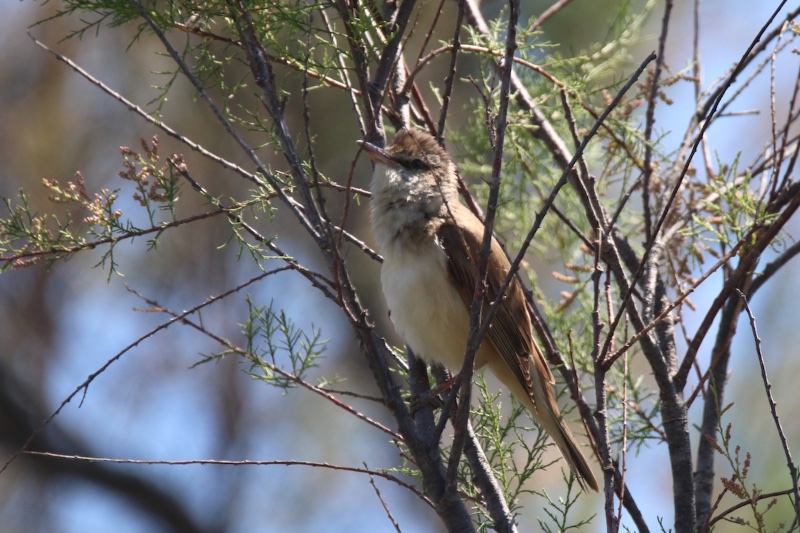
(431, 397)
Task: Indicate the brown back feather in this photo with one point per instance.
(510, 330)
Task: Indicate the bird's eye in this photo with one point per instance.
(418, 164)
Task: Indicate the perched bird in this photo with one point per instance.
(431, 245)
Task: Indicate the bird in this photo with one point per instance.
(430, 244)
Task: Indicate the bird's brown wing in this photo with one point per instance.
(510, 330)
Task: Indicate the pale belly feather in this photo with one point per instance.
(427, 311)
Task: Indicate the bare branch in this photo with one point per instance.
(773, 407)
(245, 462)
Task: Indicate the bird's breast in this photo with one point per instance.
(426, 309)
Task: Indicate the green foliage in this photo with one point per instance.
(93, 15)
(279, 353)
(515, 449)
(729, 208)
(515, 446)
(559, 510)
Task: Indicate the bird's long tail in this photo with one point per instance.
(545, 411)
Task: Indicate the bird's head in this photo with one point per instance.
(413, 163)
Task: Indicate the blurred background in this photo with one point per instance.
(59, 326)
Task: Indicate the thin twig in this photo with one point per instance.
(383, 503)
(274, 368)
(451, 74)
(773, 407)
(477, 49)
(773, 267)
(747, 503)
(244, 462)
(67, 250)
(547, 13)
(752, 52)
(147, 116)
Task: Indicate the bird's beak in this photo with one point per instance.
(377, 154)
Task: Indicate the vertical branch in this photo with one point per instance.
(476, 331)
(372, 108)
(624, 445)
(676, 426)
(791, 116)
(482, 471)
(418, 384)
(650, 119)
(601, 411)
(312, 159)
(451, 73)
(697, 75)
(772, 182)
(345, 72)
(485, 481)
(390, 60)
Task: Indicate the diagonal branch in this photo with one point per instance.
(773, 407)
